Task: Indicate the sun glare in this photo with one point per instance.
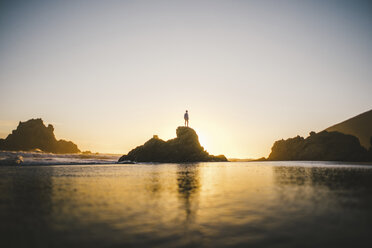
(203, 141)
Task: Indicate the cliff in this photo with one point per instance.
(33, 134)
(360, 126)
(323, 146)
(184, 148)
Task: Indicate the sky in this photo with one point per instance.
(110, 74)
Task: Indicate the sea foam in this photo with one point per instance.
(40, 158)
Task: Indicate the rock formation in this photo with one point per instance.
(33, 134)
(360, 126)
(184, 148)
(323, 146)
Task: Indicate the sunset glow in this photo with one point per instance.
(185, 124)
(111, 74)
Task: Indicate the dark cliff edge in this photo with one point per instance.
(33, 134)
(360, 126)
(184, 148)
(322, 146)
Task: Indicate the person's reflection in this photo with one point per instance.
(188, 182)
(154, 184)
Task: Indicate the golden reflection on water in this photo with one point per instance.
(185, 205)
(165, 195)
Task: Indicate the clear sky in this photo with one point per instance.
(110, 74)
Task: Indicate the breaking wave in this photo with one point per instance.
(41, 158)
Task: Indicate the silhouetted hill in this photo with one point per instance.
(323, 146)
(33, 134)
(360, 126)
(184, 148)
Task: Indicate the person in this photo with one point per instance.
(186, 117)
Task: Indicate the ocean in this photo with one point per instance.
(80, 203)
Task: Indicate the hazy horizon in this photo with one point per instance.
(110, 74)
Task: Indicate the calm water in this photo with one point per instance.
(187, 205)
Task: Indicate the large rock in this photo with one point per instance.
(33, 134)
(360, 126)
(184, 148)
(323, 146)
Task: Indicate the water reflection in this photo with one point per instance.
(185, 205)
(332, 177)
(154, 185)
(25, 206)
(188, 182)
(325, 203)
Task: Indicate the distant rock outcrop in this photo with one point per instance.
(184, 148)
(323, 146)
(360, 126)
(33, 134)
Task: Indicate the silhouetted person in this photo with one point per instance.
(186, 117)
